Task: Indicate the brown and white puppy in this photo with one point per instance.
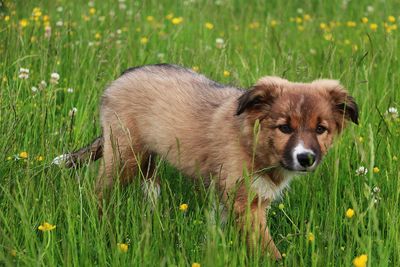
(271, 132)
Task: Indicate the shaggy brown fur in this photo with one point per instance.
(211, 130)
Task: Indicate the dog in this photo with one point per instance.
(269, 133)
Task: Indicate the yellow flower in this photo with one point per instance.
(46, 227)
(92, 11)
(299, 20)
(311, 237)
(364, 20)
(351, 24)
(360, 261)
(6, 18)
(254, 25)
(227, 73)
(347, 42)
(97, 36)
(177, 20)
(391, 19)
(169, 16)
(144, 40)
(361, 139)
(46, 18)
(150, 18)
(9, 158)
(328, 36)
(195, 68)
(375, 169)
(307, 17)
(273, 23)
(281, 206)
(300, 28)
(350, 213)
(209, 25)
(23, 155)
(39, 158)
(13, 252)
(183, 207)
(373, 26)
(23, 23)
(323, 26)
(195, 264)
(123, 247)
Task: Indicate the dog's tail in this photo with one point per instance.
(76, 159)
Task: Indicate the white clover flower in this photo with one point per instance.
(23, 73)
(376, 190)
(70, 90)
(392, 112)
(300, 10)
(34, 89)
(60, 9)
(361, 171)
(313, 51)
(42, 85)
(220, 43)
(73, 111)
(59, 23)
(370, 9)
(54, 78)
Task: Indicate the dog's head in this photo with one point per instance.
(298, 121)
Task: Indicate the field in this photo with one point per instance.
(56, 57)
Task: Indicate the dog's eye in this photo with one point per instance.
(285, 128)
(320, 129)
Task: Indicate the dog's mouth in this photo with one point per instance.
(298, 170)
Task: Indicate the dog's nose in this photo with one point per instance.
(306, 159)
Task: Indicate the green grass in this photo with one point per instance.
(33, 191)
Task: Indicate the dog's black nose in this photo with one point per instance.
(306, 159)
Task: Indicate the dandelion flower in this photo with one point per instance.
(364, 20)
(39, 158)
(6, 18)
(209, 25)
(144, 40)
(361, 171)
(177, 21)
(311, 237)
(273, 23)
(307, 17)
(323, 26)
(351, 24)
(97, 36)
(45, 227)
(373, 26)
(195, 264)
(23, 23)
(92, 11)
(195, 68)
(227, 73)
(123, 247)
(350, 213)
(23, 155)
(23, 73)
(375, 169)
(360, 261)
(54, 78)
(391, 19)
(183, 207)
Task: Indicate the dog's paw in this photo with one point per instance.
(62, 160)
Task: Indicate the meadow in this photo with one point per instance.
(56, 57)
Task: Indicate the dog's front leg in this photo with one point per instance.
(255, 223)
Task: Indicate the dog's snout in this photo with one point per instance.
(306, 159)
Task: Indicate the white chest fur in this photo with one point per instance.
(266, 189)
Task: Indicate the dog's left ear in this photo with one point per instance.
(262, 94)
(343, 103)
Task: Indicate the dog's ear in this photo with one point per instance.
(343, 104)
(262, 94)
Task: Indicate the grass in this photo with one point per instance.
(92, 45)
